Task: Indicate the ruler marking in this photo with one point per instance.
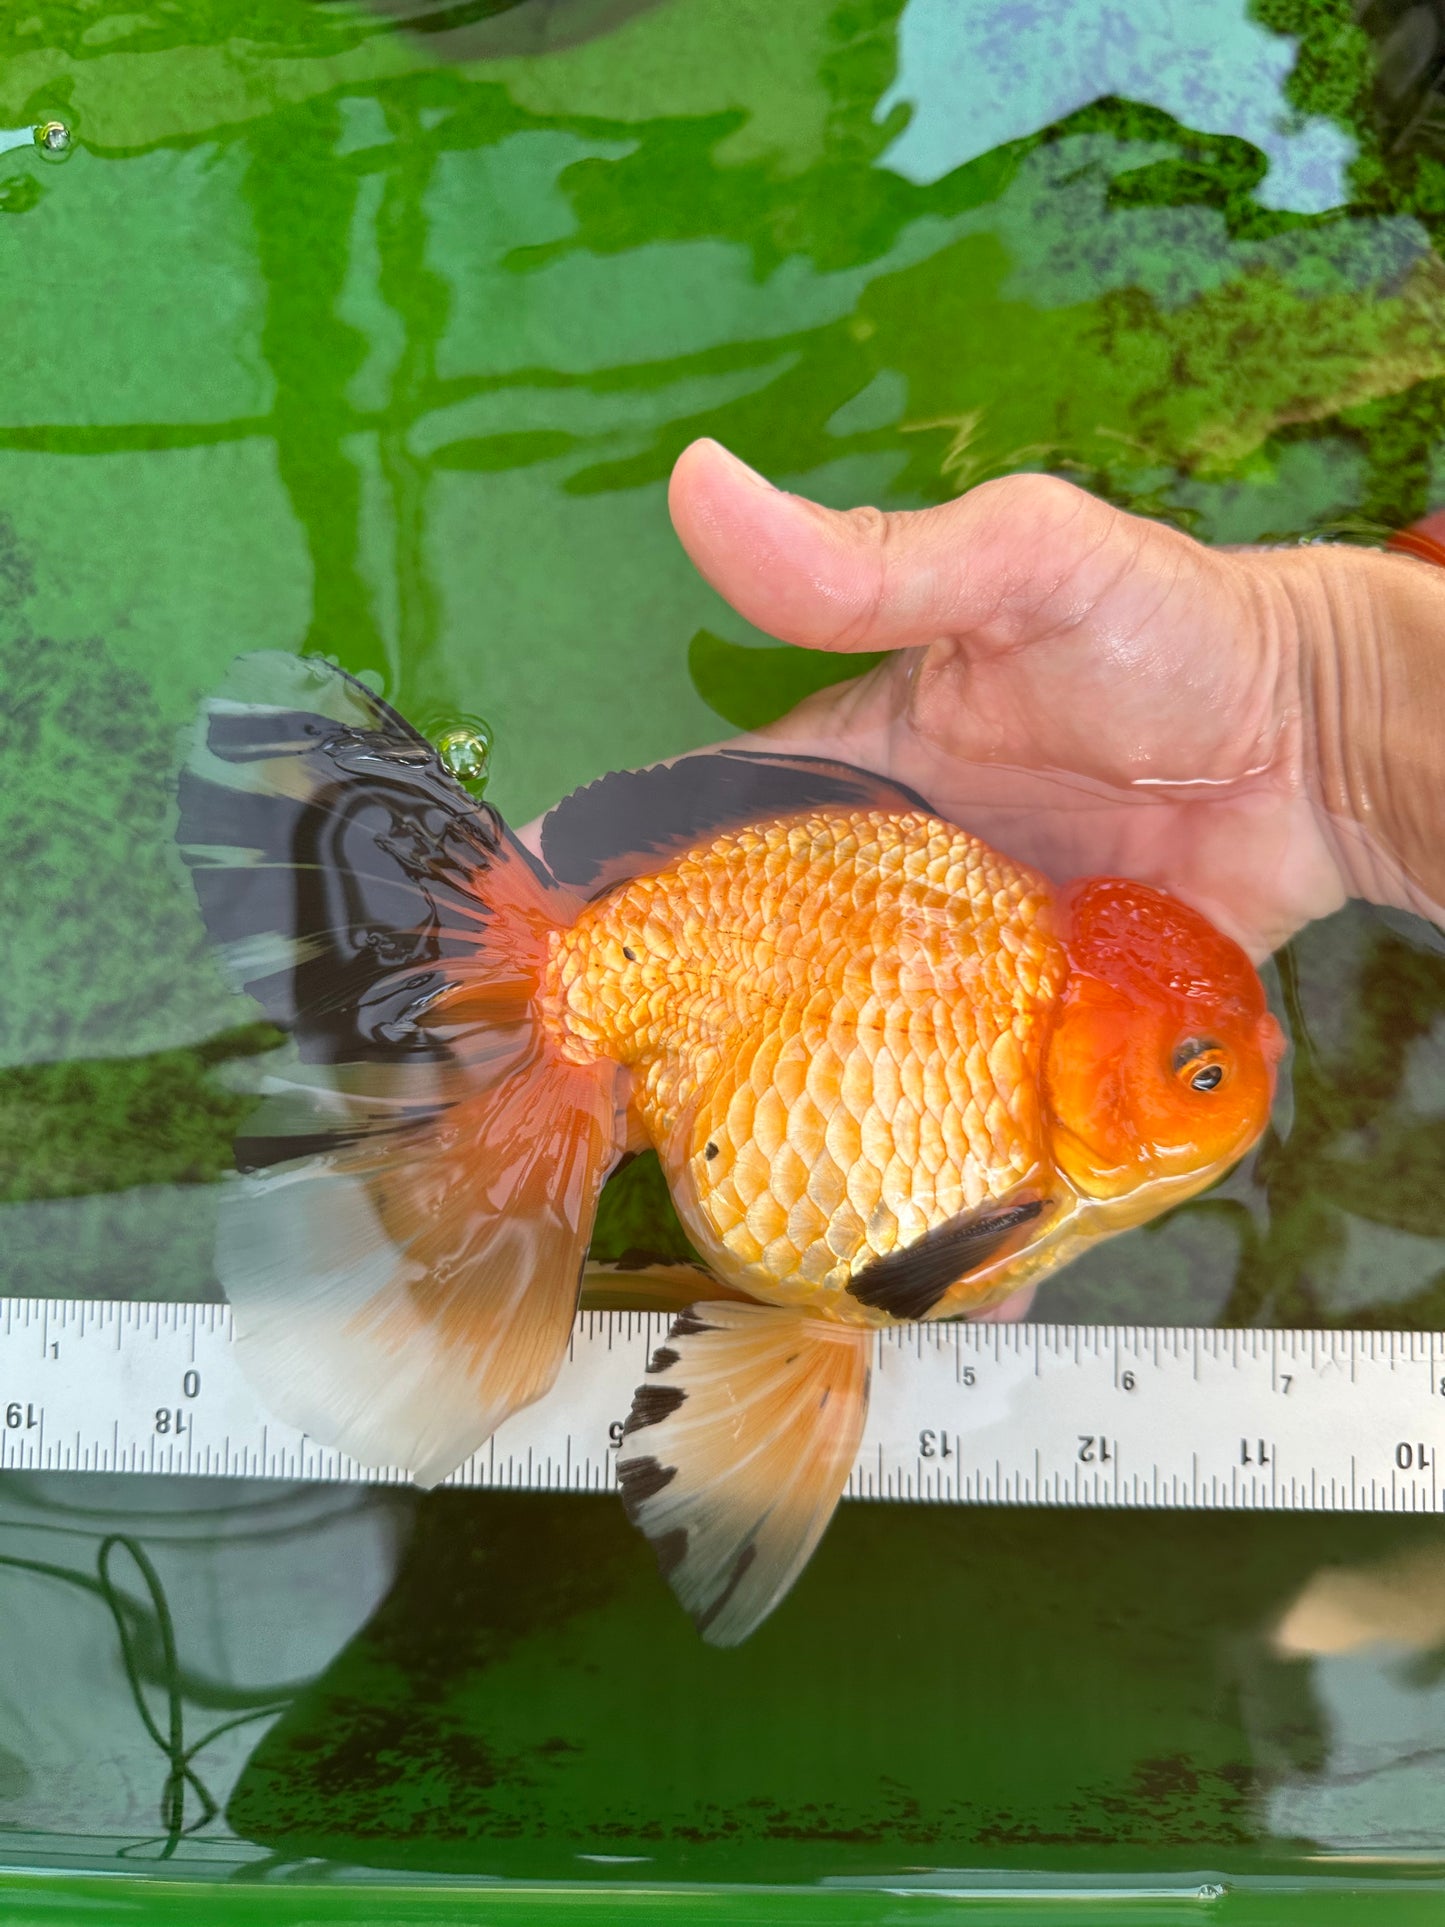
(1022, 1428)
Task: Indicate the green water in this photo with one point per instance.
(337, 334)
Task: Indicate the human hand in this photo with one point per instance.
(1098, 694)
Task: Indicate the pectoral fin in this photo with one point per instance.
(738, 1447)
(909, 1282)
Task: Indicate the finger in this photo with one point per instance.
(1010, 557)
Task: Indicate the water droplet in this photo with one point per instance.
(54, 139)
(465, 747)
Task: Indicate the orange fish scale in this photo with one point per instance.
(848, 1010)
(863, 1187)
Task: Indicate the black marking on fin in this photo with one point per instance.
(670, 1548)
(662, 1359)
(639, 1480)
(336, 861)
(688, 1322)
(740, 1565)
(651, 1404)
(633, 821)
(908, 1283)
(256, 1152)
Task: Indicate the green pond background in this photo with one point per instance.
(374, 330)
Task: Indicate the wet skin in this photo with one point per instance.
(1098, 694)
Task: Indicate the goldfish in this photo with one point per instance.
(890, 1076)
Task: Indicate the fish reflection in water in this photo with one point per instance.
(1341, 1609)
(1366, 1644)
(495, 29)
(890, 1075)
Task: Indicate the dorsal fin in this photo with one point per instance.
(635, 821)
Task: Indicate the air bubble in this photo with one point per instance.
(54, 139)
(465, 748)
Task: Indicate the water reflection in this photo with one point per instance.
(1216, 66)
(120, 1596)
(381, 341)
(1361, 1645)
(493, 29)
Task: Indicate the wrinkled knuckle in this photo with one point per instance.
(869, 525)
(868, 530)
(1046, 501)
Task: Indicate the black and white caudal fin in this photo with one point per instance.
(403, 1254)
(739, 1444)
(346, 879)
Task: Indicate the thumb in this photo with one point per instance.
(1010, 560)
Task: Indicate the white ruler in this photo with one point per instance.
(974, 1414)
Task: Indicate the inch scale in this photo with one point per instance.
(1072, 1415)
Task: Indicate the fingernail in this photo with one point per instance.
(744, 473)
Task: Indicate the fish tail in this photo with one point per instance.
(403, 1247)
(740, 1441)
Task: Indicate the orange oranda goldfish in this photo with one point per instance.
(890, 1075)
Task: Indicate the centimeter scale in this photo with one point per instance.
(970, 1414)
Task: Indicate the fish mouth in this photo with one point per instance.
(1117, 1196)
(1153, 1195)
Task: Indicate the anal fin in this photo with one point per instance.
(738, 1447)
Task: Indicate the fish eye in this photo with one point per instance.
(1200, 1064)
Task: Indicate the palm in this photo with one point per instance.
(1241, 844)
(1088, 692)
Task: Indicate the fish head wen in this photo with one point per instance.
(1160, 1068)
